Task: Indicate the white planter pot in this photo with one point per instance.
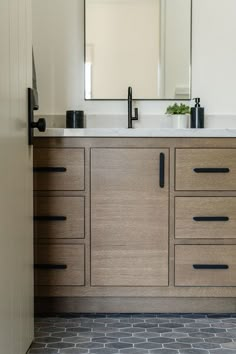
(180, 121)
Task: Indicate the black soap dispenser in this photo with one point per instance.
(197, 115)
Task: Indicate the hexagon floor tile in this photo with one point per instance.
(135, 333)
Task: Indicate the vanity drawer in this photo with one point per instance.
(205, 169)
(57, 265)
(205, 217)
(205, 265)
(58, 217)
(58, 169)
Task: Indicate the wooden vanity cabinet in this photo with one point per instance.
(129, 217)
(205, 217)
(135, 224)
(59, 265)
(206, 169)
(205, 265)
(59, 217)
(58, 169)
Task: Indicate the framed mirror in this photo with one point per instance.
(145, 44)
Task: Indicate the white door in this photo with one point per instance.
(16, 228)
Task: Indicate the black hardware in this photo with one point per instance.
(75, 119)
(40, 124)
(49, 169)
(162, 170)
(197, 115)
(50, 266)
(50, 218)
(210, 218)
(34, 84)
(211, 170)
(130, 109)
(210, 266)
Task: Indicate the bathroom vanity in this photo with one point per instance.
(135, 223)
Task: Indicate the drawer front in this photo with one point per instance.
(58, 169)
(205, 169)
(205, 217)
(59, 265)
(206, 265)
(59, 217)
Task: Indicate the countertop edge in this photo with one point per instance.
(137, 133)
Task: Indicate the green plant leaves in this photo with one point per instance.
(178, 109)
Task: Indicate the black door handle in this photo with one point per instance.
(40, 124)
(210, 266)
(162, 170)
(50, 218)
(50, 266)
(211, 170)
(210, 218)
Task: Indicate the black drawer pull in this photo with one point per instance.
(162, 170)
(49, 169)
(210, 218)
(50, 266)
(50, 218)
(211, 170)
(210, 266)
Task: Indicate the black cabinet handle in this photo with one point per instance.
(211, 170)
(49, 169)
(162, 170)
(50, 218)
(210, 266)
(50, 266)
(210, 218)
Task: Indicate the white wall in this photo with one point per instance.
(214, 54)
(214, 58)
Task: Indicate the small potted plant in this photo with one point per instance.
(179, 114)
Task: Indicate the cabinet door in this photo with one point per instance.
(129, 217)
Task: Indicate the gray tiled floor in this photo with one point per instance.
(135, 333)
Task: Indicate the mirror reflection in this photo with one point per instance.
(145, 44)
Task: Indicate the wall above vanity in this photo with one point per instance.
(59, 56)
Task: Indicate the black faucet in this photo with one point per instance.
(130, 109)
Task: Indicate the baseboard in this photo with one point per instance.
(134, 305)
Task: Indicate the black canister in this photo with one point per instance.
(197, 115)
(74, 119)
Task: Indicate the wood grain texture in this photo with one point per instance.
(84, 142)
(71, 159)
(70, 207)
(135, 291)
(188, 207)
(171, 220)
(70, 255)
(109, 297)
(129, 218)
(135, 305)
(186, 256)
(188, 159)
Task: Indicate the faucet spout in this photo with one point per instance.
(130, 109)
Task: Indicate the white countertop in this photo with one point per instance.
(141, 133)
